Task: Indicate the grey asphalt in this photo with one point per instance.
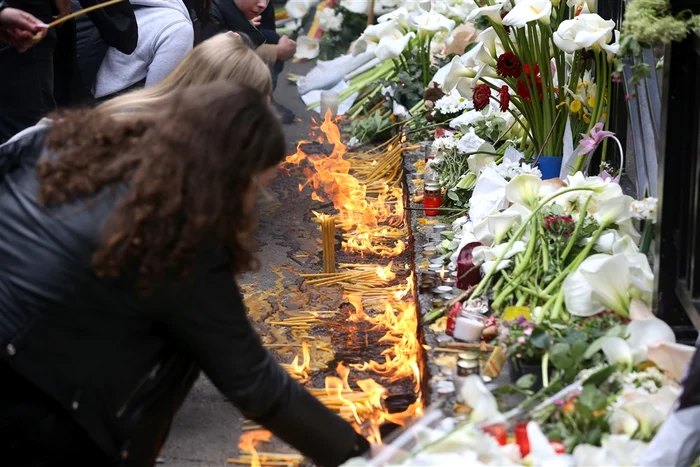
(205, 431)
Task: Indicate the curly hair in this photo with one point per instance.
(185, 170)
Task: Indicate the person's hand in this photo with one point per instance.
(256, 21)
(286, 48)
(63, 7)
(20, 29)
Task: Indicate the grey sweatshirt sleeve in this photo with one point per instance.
(170, 47)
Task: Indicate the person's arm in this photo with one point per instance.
(211, 324)
(170, 48)
(18, 28)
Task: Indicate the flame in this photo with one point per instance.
(248, 441)
(302, 369)
(365, 191)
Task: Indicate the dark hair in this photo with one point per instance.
(186, 167)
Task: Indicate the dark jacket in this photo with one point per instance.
(226, 16)
(122, 362)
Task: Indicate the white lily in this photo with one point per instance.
(501, 223)
(399, 16)
(483, 404)
(375, 32)
(391, 47)
(430, 23)
(650, 410)
(457, 72)
(356, 6)
(524, 189)
(633, 350)
(478, 162)
(470, 142)
(624, 246)
(307, 48)
(613, 210)
(482, 254)
(623, 423)
(527, 11)
(490, 266)
(297, 9)
(578, 293)
(671, 358)
(493, 12)
(585, 31)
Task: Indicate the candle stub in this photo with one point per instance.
(467, 329)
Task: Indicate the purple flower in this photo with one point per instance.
(606, 176)
(522, 340)
(589, 143)
(559, 402)
(522, 320)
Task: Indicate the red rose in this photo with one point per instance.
(482, 95)
(509, 65)
(504, 97)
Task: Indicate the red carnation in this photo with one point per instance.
(482, 94)
(504, 97)
(522, 87)
(509, 65)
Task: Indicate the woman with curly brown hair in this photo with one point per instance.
(119, 242)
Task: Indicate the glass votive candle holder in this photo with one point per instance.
(329, 102)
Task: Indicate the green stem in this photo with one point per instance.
(545, 370)
(519, 233)
(574, 235)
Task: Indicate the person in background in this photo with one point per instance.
(26, 94)
(125, 288)
(165, 36)
(256, 19)
(18, 28)
(223, 57)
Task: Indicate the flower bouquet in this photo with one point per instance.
(550, 64)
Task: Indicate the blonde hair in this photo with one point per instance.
(223, 57)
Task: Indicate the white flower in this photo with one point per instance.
(375, 32)
(633, 350)
(392, 46)
(484, 406)
(329, 20)
(470, 142)
(644, 209)
(399, 16)
(523, 189)
(616, 450)
(297, 9)
(452, 103)
(356, 6)
(307, 48)
(613, 210)
(456, 73)
(444, 143)
(585, 31)
(430, 22)
(527, 11)
(492, 12)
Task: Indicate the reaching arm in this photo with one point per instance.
(212, 325)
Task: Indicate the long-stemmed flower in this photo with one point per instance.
(527, 11)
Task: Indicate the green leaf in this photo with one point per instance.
(526, 381)
(600, 376)
(559, 355)
(540, 339)
(592, 398)
(594, 348)
(578, 349)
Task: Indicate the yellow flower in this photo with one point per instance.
(575, 106)
(591, 102)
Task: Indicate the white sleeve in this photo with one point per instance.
(170, 47)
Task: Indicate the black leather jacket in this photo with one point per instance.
(122, 362)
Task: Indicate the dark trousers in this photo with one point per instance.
(26, 88)
(35, 431)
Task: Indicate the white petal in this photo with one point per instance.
(578, 296)
(490, 265)
(613, 210)
(307, 48)
(644, 332)
(523, 189)
(527, 11)
(539, 444)
(622, 422)
(609, 280)
(477, 396)
(673, 359)
(617, 351)
(501, 223)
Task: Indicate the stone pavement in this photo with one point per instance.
(206, 430)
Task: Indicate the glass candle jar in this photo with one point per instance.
(432, 198)
(329, 102)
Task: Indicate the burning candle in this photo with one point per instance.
(328, 236)
(432, 198)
